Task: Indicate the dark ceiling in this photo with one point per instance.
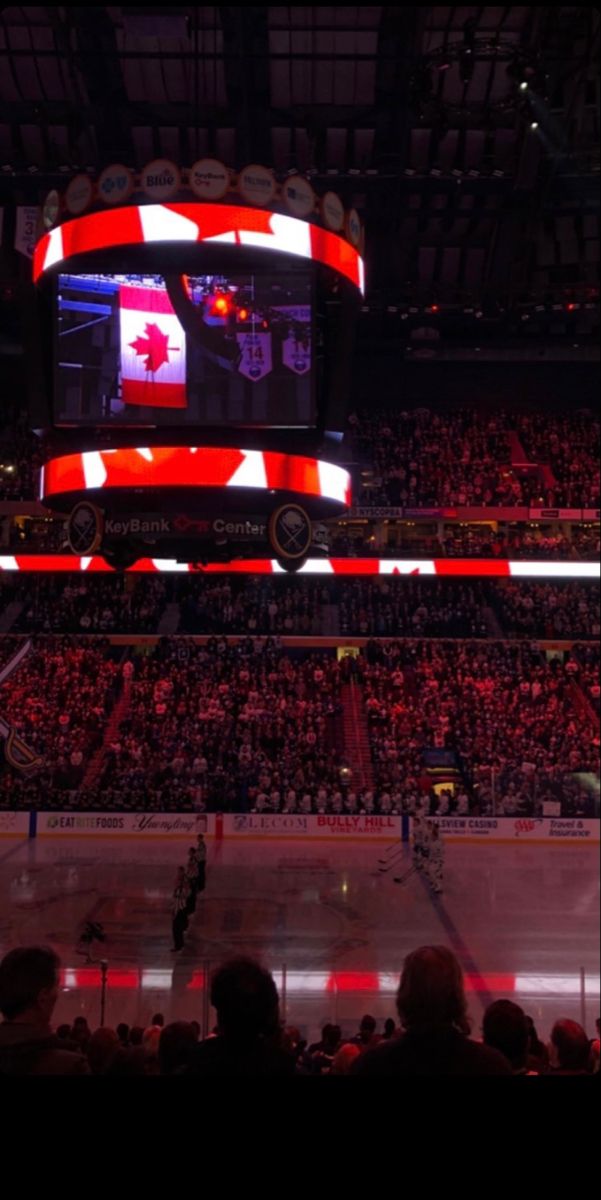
(414, 114)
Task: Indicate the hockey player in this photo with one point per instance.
(191, 871)
(418, 835)
(201, 859)
(178, 910)
(435, 860)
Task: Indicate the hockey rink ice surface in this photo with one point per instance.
(522, 919)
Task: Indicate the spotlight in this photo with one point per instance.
(534, 124)
(523, 86)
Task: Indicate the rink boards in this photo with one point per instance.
(325, 827)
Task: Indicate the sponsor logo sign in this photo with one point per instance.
(378, 511)
(519, 828)
(115, 184)
(321, 826)
(358, 826)
(160, 179)
(332, 211)
(257, 184)
(299, 196)
(239, 528)
(126, 824)
(136, 526)
(78, 195)
(209, 179)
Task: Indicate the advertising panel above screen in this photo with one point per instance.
(198, 350)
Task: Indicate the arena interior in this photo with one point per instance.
(299, 541)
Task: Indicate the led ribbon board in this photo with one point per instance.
(194, 467)
(441, 567)
(231, 225)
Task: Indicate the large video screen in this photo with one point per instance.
(184, 350)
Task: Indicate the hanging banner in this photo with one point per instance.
(26, 229)
(255, 348)
(153, 349)
(296, 349)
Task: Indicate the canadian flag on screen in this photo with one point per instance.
(153, 349)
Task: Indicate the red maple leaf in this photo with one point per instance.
(154, 346)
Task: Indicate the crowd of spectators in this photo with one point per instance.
(569, 446)
(226, 727)
(58, 702)
(550, 610)
(518, 542)
(463, 457)
(246, 726)
(428, 459)
(384, 606)
(54, 604)
(250, 1040)
(412, 608)
(586, 659)
(503, 715)
(251, 604)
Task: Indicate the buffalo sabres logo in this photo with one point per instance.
(84, 529)
(290, 531)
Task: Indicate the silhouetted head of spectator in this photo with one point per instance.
(64, 1033)
(330, 1038)
(176, 1043)
(344, 1059)
(431, 991)
(158, 1019)
(81, 1032)
(505, 1029)
(123, 1033)
(367, 1028)
(101, 1050)
(29, 978)
(569, 1048)
(196, 1027)
(246, 1001)
(136, 1034)
(389, 1028)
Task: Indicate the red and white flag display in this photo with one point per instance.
(153, 349)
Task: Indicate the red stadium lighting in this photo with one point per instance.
(221, 306)
(243, 314)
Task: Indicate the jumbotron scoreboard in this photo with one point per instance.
(196, 331)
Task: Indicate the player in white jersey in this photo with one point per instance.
(418, 843)
(435, 860)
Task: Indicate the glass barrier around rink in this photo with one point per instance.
(310, 997)
(529, 791)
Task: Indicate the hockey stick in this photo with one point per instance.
(403, 878)
(391, 850)
(392, 862)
